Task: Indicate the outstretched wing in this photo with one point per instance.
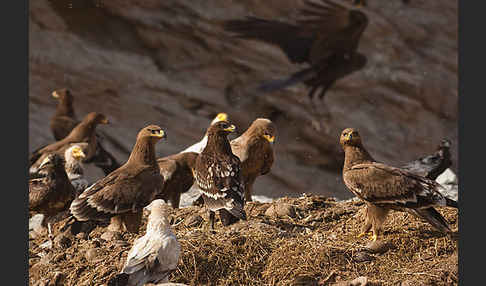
(294, 41)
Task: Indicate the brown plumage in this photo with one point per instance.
(83, 132)
(255, 151)
(178, 178)
(326, 36)
(359, 3)
(122, 194)
(64, 120)
(52, 193)
(384, 188)
(217, 173)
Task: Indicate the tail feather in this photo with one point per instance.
(451, 203)
(433, 217)
(295, 78)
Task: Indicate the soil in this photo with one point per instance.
(318, 246)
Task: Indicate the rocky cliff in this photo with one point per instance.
(170, 63)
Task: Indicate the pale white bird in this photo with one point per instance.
(199, 146)
(156, 254)
(74, 167)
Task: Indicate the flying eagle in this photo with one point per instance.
(83, 132)
(64, 120)
(178, 178)
(156, 254)
(326, 36)
(52, 193)
(217, 173)
(384, 188)
(122, 194)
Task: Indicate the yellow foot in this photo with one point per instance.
(363, 234)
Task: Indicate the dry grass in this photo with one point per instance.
(317, 247)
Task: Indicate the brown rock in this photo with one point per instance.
(281, 210)
(360, 281)
(362, 256)
(92, 254)
(111, 236)
(378, 246)
(62, 241)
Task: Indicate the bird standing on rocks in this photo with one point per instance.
(384, 188)
(122, 194)
(217, 173)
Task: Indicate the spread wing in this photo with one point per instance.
(293, 40)
(121, 191)
(339, 28)
(381, 184)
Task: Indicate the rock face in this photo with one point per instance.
(170, 63)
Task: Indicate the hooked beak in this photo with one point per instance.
(269, 138)
(222, 116)
(78, 154)
(159, 134)
(232, 128)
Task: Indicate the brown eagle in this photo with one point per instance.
(326, 36)
(254, 148)
(64, 120)
(218, 173)
(52, 193)
(177, 171)
(122, 194)
(384, 188)
(83, 132)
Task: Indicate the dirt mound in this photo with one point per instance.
(316, 246)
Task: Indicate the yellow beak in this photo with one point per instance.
(160, 134)
(232, 128)
(270, 139)
(105, 121)
(55, 95)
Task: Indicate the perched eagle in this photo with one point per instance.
(384, 188)
(52, 193)
(431, 166)
(218, 173)
(199, 146)
(178, 178)
(255, 151)
(64, 120)
(83, 132)
(123, 194)
(156, 254)
(326, 36)
(74, 167)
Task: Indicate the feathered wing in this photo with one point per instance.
(117, 193)
(431, 166)
(337, 32)
(219, 182)
(39, 191)
(293, 40)
(197, 147)
(432, 216)
(381, 184)
(143, 253)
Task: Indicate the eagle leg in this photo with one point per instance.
(211, 219)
